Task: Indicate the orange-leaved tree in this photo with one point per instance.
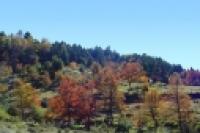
(107, 83)
(56, 104)
(133, 72)
(69, 93)
(74, 102)
(87, 103)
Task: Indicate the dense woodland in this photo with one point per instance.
(72, 87)
(21, 51)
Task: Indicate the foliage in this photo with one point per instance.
(107, 82)
(152, 99)
(20, 50)
(74, 102)
(26, 97)
(182, 103)
(156, 68)
(124, 125)
(39, 114)
(132, 72)
(191, 77)
(4, 115)
(90, 88)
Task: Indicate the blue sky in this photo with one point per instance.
(166, 28)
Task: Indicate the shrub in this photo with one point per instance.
(124, 125)
(39, 113)
(12, 111)
(3, 114)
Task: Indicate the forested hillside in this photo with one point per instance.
(21, 51)
(58, 87)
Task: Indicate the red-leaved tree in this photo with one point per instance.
(74, 102)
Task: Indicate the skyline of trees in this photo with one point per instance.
(22, 49)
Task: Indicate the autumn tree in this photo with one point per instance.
(152, 99)
(56, 104)
(87, 104)
(62, 106)
(107, 83)
(132, 72)
(182, 102)
(166, 111)
(26, 97)
(148, 112)
(139, 120)
(69, 93)
(74, 102)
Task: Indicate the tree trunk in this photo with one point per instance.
(88, 123)
(110, 109)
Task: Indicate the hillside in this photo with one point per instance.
(59, 88)
(20, 51)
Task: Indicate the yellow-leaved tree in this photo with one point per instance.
(25, 97)
(151, 103)
(181, 103)
(147, 113)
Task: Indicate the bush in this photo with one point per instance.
(124, 125)
(13, 111)
(39, 113)
(3, 114)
